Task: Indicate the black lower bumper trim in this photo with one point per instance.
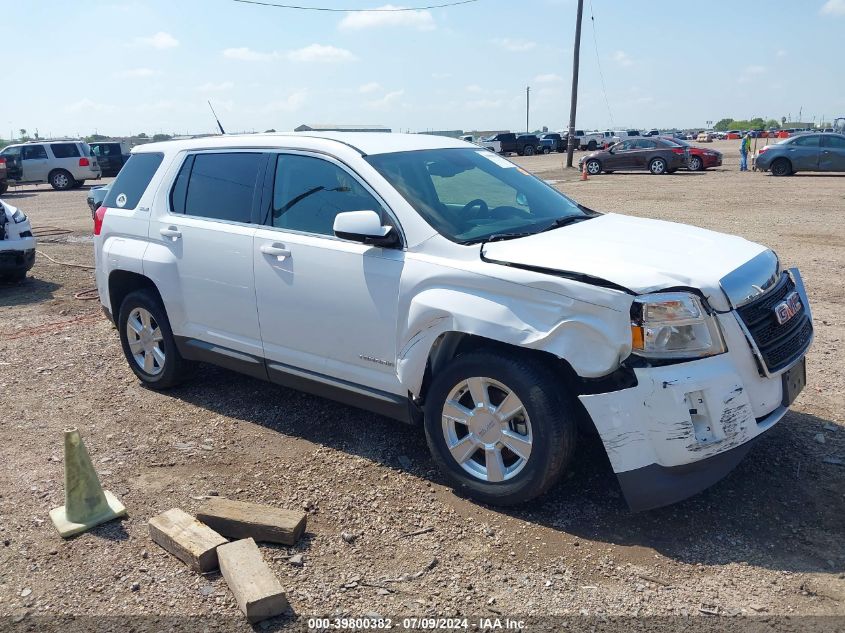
(14, 261)
(654, 485)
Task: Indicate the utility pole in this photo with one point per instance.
(527, 107)
(570, 145)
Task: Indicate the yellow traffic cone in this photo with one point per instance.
(86, 503)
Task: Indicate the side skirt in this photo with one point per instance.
(352, 394)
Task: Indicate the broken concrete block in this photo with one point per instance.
(237, 519)
(255, 587)
(187, 539)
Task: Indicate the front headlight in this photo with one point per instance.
(19, 216)
(673, 325)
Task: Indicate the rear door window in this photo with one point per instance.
(133, 180)
(807, 141)
(219, 186)
(65, 150)
(837, 142)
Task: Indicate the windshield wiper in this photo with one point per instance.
(498, 237)
(566, 221)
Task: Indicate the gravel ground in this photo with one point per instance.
(765, 542)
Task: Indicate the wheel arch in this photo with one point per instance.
(123, 282)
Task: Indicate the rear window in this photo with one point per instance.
(65, 150)
(133, 180)
(217, 186)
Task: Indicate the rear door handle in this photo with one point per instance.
(275, 250)
(172, 232)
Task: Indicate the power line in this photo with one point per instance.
(598, 61)
(377, 10)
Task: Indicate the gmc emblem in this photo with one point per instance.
(788, 308)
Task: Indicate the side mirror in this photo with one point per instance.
(364, 227)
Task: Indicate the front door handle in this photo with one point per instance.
(172, 232)
(275, 250)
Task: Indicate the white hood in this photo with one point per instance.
(639, 254)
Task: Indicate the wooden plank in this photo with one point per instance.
(237, 519)
(187, 539)
(255, 587)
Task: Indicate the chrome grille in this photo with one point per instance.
(779, 344)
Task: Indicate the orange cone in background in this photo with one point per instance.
(584, 171)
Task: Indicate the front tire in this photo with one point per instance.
(148, 343)
(593, 167)
(500, 426)
(657, 166)
(528, 151)
(781, 167)
(591, 146)
(61, 180)
(695, 164)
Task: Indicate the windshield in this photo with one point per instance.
(470, 195)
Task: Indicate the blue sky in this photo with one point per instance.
(121, 67)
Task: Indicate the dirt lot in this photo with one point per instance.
(769, 540)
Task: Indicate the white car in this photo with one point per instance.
(17, 244)
(62, 164)
(429, 280)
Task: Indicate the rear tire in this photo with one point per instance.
(543, 427)
(4, 187)
(528, 151)
(657, 166)
(781, 167)
(150, 348)
(546, 150)
(591, 146)
(61, 180)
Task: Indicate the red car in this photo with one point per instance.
(700, 158)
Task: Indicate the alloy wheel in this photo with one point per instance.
(657, 166)
(146, 341)
(487, 429)
(695, 163)
(593, 167)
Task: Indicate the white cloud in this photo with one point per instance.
(210, 86)
(87, 105)
(515, 46)
(245, 54)
(475, 88)
(371, 87)
(755, 70)
(833, 7)
(421, 20)
(386, 101)
(484, 104)
(160, 40)
(781, 53)
(291, 103)
(622, 58)
(550, 78)
(321, 53)
(136, 73)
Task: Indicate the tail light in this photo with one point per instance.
(99, 215)
(84, 162)
(678, 150)
(765, 148)
(2, 160)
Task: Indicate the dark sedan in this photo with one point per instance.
(657, 155)
(805, 152)
(700, 158)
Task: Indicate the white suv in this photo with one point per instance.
(63, 164)
(432, 281)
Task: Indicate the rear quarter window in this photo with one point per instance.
(133, 180)
(65, 150)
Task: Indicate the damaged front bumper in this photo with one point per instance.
(684, 426)
(680, 430)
